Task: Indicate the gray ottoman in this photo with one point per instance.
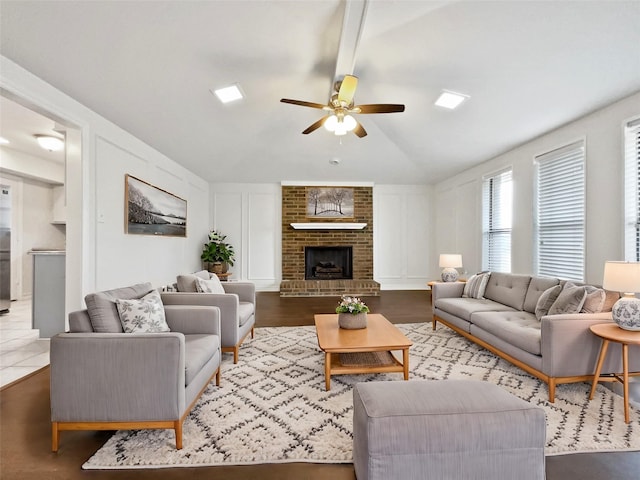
(445, 429)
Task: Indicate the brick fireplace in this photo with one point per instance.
(322, 277)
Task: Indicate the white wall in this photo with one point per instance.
(99, 153)
(458, 199)
(402, 236)
(251, 217)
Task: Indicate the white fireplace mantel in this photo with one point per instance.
(328, 226)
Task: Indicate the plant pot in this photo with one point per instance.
(352, 321)
(215, 267)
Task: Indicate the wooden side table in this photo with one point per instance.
(223, 276)
(610, 332)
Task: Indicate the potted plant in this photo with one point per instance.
(217, 254)
(352, 313)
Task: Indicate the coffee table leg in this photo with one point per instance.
(327, 370)
(405, 363)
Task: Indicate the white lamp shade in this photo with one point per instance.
(622, 277)
(450, 260)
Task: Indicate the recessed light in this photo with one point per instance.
(228, 94)
(3, 141)
(450, 100)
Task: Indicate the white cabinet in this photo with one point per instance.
(59, 207)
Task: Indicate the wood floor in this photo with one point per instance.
(25, 435)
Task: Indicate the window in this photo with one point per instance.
(497, 198)
(560, 212)
(632, 191)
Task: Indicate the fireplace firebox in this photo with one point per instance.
(328, 263)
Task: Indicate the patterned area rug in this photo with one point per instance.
(272, 406)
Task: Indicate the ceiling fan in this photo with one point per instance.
(339, 120)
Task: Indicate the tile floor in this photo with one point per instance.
(21, 350)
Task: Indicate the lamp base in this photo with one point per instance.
(626, 313)
(449, 274)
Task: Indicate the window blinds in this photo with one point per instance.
(497, 199)
(632, 191)
(560, 212)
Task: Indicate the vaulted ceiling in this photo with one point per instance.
(528, 67)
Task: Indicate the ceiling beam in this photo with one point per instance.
(352, 26)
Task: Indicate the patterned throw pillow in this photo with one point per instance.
(145, 315)
(547, 299)
(476, 285)
(570, 300)
(209, 286)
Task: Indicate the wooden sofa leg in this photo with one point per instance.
(434, 322)
(236, 352)
(218, 377)
(177, 427)
(55, 436)
(552, 390)
(251, 332)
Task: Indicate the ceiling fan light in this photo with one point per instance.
(331, 123)
(349, 123)
(341, 129)
(49, 142)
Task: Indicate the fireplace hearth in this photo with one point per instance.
(328, 263)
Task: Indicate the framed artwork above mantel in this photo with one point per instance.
(149, 210)
(329, 202)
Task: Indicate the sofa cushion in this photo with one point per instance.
(101, 306)
(198, 351)
(507, 288)
(142, 315)
(464, 307)
(245, 310)
(545, 301)
(570, 300)
(187, 283)
(518, 328)
(476, 285)
(537, 286)
(212, 285)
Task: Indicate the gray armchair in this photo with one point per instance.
(109, 381)
(237, 307)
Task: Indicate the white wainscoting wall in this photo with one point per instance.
(402, 246)
(250, 216)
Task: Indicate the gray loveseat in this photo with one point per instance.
(104, 379)
(555, 348)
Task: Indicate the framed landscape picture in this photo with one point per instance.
(329, 202)
(150, 210)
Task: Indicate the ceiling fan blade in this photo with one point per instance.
(380, 108)
(347, 90)
(302, 103)
(360, 131)
(315, 125)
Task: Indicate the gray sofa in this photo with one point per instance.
(114, 380)
(236, 304)
(555, 348)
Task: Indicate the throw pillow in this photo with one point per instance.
(144, 315)
(570, 300)
(209, 286)
(187, 283)
(546, 299)
(594, 302)
(101, 306)
(476, 285)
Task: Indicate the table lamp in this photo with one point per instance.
(449, 262)
(624, 277)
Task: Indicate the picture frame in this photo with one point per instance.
(330, 202)
(149, 210)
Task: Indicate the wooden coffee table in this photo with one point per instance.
(378, 339)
